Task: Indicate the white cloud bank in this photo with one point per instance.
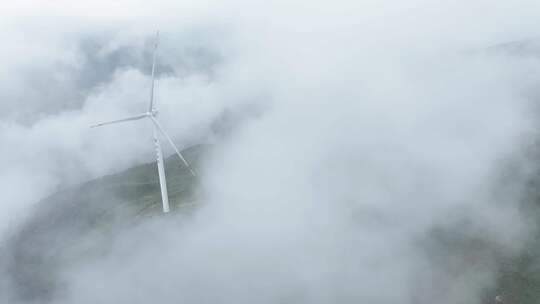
(384, 122)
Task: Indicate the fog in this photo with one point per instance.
(365, 133)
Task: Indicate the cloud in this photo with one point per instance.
(379, 133)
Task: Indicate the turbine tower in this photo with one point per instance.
(151, 114)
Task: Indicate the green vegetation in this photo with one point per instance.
(81, 222)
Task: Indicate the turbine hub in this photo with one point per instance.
(152, 113)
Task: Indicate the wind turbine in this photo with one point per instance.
(151, 114)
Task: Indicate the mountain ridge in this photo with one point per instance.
(55, 233)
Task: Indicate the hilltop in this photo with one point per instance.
(79, 223)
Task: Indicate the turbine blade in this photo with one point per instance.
(158, 125)
(119, 120)
(150, 107)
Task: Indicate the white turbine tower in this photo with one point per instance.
(152, 115)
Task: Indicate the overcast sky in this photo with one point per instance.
(361, 127)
